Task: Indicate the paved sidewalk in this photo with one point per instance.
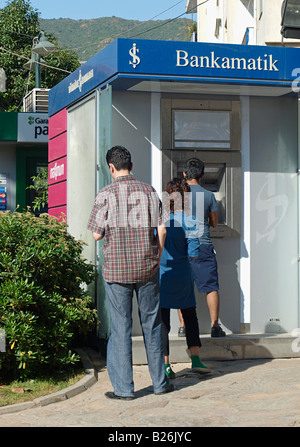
(238, 393)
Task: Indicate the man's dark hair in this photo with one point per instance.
(120, 157)
(194, 169)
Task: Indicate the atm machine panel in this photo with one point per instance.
(215, 181)
(210, 130)
(221, 176)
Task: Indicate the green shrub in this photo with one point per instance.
(40, 187)
(43, 302)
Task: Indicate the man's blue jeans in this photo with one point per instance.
(119, 348)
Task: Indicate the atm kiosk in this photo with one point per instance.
(233, 106)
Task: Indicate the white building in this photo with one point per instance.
(252, 22)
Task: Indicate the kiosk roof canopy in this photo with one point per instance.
(182, 67)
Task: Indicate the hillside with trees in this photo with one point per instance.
(88, 37)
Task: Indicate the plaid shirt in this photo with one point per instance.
(127, 212)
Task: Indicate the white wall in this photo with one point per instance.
(274, 214)
(262, 17)
(81, 184)
(269, 25)
(235, 18)
(131, 127)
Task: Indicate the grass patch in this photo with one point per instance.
(28, 390)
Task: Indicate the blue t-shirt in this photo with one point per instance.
(203, 203)
(191, 228)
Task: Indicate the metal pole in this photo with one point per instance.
(36, 58)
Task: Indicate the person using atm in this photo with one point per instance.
(204, 267)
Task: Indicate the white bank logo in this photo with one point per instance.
(135, 58)
(265, 63)
(57, 171)
(78, 83)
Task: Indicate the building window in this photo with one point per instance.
(260, 8)
(218, 26)
(249, 5)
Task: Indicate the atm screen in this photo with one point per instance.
(214, 180)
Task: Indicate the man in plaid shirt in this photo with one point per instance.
(127, 214)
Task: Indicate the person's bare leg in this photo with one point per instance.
(181, 329)
(213, 307)
(181, 320)
(194, 350)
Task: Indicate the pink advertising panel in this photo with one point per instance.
(57, 124)
(57, 171)
(57, 194)
(57, 147)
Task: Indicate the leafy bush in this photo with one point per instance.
(43, 302)
(40, 186)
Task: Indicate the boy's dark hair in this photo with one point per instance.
(194, 169)
(120, 157)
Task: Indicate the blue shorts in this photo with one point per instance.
(205, 269)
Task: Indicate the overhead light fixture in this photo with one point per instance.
(290, 19)
(43, 47)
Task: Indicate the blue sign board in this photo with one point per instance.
(180, 61)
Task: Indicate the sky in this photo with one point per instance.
(93, 9)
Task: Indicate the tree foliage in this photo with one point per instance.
(19, 25)
(44, 305)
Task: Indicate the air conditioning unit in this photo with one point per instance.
(36, 101)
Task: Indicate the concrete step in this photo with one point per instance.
(231, 347)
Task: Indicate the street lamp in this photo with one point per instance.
(290, 19)
(41, 47)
